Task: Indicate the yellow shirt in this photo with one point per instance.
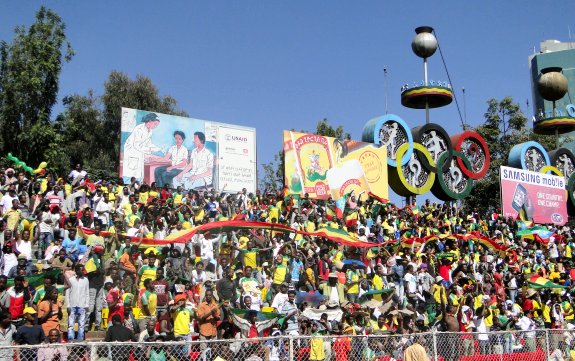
(546, 314)
(375, 326)
(182, 322)
(280, 274)
(566, 309)
(317, 351)
(250, 258)
(436, 290)
(378, 285)
(310, 227)
(536, 308)
(143, 197)
(353, 277)
(243, 242)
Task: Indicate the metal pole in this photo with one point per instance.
(385, 85)
(435, 353)
(291, 348)
(425, 83)
(547, 344)
(464, 107)
(556, 137)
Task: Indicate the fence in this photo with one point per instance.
(536, 345)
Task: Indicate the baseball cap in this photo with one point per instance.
(29, 310)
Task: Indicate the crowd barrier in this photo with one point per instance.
(553, 345)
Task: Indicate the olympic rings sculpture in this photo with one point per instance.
(426, 158)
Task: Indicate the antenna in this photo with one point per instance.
(464, 108)
(385, 85)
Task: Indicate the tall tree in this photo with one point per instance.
(272, 177)
(30, 69)
(505, 126)
(140, 93)
(98, 150)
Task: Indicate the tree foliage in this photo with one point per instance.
(272, 176)
(505, 126)
(98, 149)
(30, 69)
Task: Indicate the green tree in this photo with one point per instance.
(140, 93)
(505, 125)
(272, 175)
(99, 149)
(30, 69)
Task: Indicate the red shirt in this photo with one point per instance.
(161, 287)
(113, 295)
(444, 271)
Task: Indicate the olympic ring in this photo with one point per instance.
(397, 179)
(552, 169)
(444, 191)
(477, 148)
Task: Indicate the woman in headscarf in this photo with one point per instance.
(415, 352)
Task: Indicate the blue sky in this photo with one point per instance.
(287, 64)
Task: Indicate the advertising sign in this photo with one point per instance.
(542, 196)
(186, 152)
(327, 167)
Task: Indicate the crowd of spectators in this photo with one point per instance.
(75, 260)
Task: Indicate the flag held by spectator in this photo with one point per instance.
(538, 282)
(340, 205)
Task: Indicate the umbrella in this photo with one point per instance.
(350, 262)
(312, 299)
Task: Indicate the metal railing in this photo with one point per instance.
(533, 345)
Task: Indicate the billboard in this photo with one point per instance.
(542, 196)
(187, 152)
(327, 167)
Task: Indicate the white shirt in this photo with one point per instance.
(202, 160)
(49, 227)
(526, 324)
(6, 202)
(103, 210)
(177, 155)
(79, 292)
(411, 281)
(25, 248)
(481, 327)
(334, 296)
(279, 300)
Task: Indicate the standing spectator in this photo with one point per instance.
(78, 296)
(19, 297)
(162, 290)
(182, 318)
(208, 315)
(119, 333)
(49, 219)
(148, 304)
(49, 311)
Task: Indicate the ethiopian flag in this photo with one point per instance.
(414, 210)
(541, 231)
(340, 236)
(538, 283)
(340, 204)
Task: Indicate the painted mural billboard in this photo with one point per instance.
(326, 167)
(188, 152)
